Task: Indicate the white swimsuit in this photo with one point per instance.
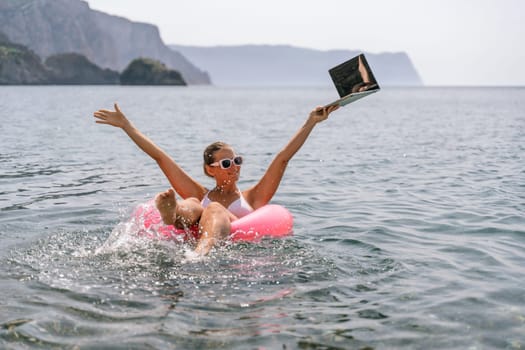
(240, 207)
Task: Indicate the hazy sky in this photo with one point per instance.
(450, 42)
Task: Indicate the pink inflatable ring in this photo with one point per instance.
(271, 221)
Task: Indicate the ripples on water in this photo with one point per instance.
(409, 226)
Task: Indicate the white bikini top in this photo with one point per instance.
(240, 207)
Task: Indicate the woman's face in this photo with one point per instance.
(225, 176)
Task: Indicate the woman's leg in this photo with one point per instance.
(214, 220)
(166, 205)
(184, 213)
(215, 225)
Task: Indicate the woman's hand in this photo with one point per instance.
(319, 114)
(115, 118)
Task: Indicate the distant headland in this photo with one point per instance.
(284, 65)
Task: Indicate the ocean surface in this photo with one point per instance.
(409, 233)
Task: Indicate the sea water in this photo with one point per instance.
(408, 205)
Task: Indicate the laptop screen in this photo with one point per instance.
(353, 76)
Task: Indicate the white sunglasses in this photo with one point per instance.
(226, 163)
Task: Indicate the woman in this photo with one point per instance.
(212, 209)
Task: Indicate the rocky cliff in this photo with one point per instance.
(21, 66)
(251, 65)
(18, 65)
(73, 68)
(58, 26)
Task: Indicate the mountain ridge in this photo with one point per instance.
(250, 65)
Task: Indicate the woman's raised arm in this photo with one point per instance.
(183, 184)
(263, 191)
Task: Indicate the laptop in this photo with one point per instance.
(353, 80)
